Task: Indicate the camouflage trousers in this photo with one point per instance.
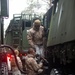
(39, 50)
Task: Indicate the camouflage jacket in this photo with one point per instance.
(35, 37)
(31, 65)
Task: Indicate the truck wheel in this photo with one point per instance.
(54, 72)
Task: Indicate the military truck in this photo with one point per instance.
(61, 37)
(16, 33)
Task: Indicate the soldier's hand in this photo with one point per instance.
(40, 70)
(41, 64)
(32, 45)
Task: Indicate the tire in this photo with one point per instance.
(54, 72)
(4, 69)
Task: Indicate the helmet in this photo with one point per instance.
(37, 22)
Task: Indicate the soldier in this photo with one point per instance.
(33, 68)
(36, 37)
(14, 67)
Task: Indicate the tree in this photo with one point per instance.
(48, 2)
(35, 6)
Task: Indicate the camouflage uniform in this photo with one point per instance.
(36, 39)
(15, 70)
(31, 65)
